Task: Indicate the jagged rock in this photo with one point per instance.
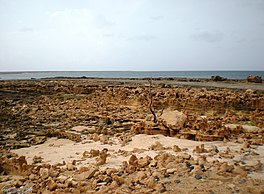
(95, 137)
(254, 79)
(92, 153)
(139, 177)
(139, 150)
(12, 190)
(110, 171)
(62, 178)
(83, 169)
(218, 78)
(103, 139)
(157, 146)
(44, 173)
(16, 166)
(174, 120)
(70, 183)
(200, 149)
(84, 129)
(53, 173)
(151, 182)
(133, 160)
(70, 166)
(102, 157)
(226, 168)
(171, 170)
(239, 171)
(32, 177)
(37, 159)
(38, 140)
(201, 160)
(226, 153)
(119, 180)
(143, 162)
(255, 167)
(176, 148)
(51, 185)
(87, 174)
(245, 145)
(185, 156)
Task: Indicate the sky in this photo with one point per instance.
(131, 35)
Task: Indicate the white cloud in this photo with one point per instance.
(26, 29)
(143, 37)
(206, 36)
(80, 18)
(102, 22)
(160, 17)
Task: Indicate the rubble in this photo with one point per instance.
(109, 116)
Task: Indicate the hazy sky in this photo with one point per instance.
(131, 35)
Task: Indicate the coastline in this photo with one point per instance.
(128, 74)
(99, 135)
(241, 84)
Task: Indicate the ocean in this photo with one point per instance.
(127, 74)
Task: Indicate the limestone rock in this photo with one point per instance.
(102, 157)
(62, 178)
(37, 159)
(176, 148)
(239, 171)
(157, 146)
(44, 173)
(133, 160)
(200, 149)
(143, 162)
(173, 119)
(151, 182)
(118, 180)
(254, 79)
(87, 174)
(51, 185)
(70, 166)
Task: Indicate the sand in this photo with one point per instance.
(58, 150)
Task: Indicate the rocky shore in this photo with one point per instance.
(131, 136)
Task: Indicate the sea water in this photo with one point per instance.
(127, 74)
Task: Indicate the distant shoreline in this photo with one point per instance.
(27, 75)
(166, 82)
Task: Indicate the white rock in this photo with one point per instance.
(44, 173)
(174, 119)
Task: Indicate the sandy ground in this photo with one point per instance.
(58, 150)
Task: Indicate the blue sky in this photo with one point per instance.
(148, 35)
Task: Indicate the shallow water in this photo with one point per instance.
(128, 74)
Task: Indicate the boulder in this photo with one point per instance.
(218, 78)
(87, 174)
(254, 79)
(173, 119)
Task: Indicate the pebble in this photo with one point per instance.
(163, 190)
(198, 177)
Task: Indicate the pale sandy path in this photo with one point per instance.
(58, 150)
